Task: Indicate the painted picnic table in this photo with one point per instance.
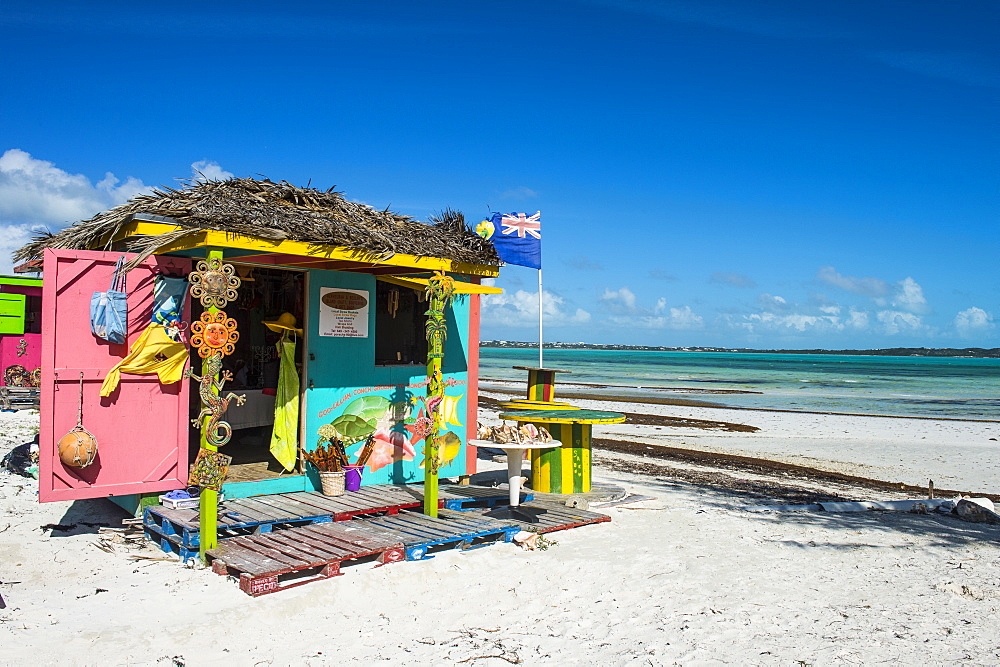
(515, 454)
(565, 469)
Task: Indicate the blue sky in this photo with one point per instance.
(740, 174)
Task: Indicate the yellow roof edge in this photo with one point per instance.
(220, 239)
(460, 287)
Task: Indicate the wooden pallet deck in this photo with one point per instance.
(174, 528)
(378, 498)
(468, 496)
(542, 516)
(177, 530)
(280, 560)
(421, 534)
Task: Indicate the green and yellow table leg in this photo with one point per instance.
(565, 469)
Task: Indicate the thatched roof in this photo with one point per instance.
(265, 209)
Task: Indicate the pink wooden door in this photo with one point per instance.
(142, 428)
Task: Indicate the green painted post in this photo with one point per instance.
(208, 506)
(440, 293)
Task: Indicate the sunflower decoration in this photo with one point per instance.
(214, 283)
(214, 333)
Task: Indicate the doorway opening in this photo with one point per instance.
(266, 295)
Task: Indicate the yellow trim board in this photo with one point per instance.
(421, 284)
(219, 239)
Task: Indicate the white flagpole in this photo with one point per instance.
(541, 364)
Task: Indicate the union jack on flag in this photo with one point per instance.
(517, 237)
(522, 223)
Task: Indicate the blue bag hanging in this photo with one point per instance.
(109, 310)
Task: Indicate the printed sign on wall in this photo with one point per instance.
(343, 312)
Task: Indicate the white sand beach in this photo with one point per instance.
(689, 577)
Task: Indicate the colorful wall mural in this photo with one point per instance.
(350, 398)
(397, 417)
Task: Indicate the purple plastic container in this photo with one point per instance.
(352, 482)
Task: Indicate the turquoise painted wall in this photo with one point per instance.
(344, 384)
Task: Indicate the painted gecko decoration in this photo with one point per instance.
(217, 432)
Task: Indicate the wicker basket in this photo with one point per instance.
(333, 483)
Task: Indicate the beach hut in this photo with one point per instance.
(339, 284)
(20, 330)
(20, 340)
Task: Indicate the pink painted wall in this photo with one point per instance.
(142, 428)
(12, 354)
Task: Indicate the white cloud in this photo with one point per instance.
(829, 321)
(896, 322)
(13, 237)
(520, 309)
(795, 321)
(857, 320)
(910, 296)
(872, 287)
(36, 191)
(626, 313)
(684, 318)
(119, 194)
(36, 195)
(973, 321)
(209, 170)
(619, 301)
(678, 319)
(771, 303)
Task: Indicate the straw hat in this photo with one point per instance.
(286, 322)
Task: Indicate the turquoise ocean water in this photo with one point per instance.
(904, 386)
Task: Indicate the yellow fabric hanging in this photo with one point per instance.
(285, 436)
(153, 352)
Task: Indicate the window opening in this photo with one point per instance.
(400, 317)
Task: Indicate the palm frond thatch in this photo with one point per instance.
(274, 210)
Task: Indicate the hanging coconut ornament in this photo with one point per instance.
(78, 448)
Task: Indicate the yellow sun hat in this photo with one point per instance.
(286, 322)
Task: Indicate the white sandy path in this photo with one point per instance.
(957, 455)
(686, 578)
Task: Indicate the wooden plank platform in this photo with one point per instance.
(543, 516)
(468, 496)
(378, 498)
(177, 530)
(276, 561)
(450, 529)
(241, 516)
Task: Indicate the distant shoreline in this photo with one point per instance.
(684, 402)
(966, 353)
